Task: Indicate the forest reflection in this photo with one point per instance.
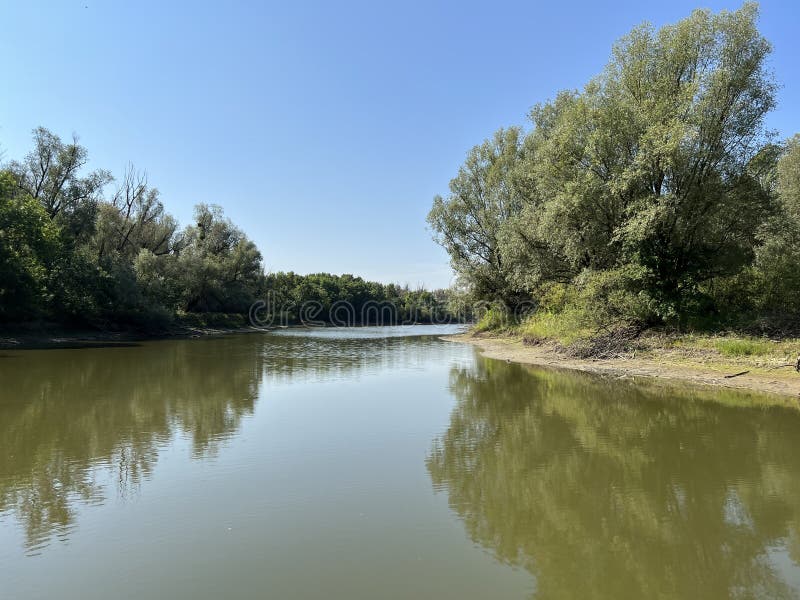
(606, 489)
(64, 414)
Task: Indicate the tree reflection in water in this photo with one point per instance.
(607, 489)
(68, 415)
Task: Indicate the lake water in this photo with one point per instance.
(382, 463)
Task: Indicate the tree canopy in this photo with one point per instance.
(659, 179)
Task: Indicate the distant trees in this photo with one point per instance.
(348, 300)
(655, 190)
(71, 253)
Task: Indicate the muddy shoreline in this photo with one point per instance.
(785, 382)
(44, 339)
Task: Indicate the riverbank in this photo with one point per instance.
(28, 339)
(697, 361)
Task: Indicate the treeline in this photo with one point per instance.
(654, 195)
(74, 254)
(347, 300)
(71, 254)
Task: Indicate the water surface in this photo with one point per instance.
(382, 462)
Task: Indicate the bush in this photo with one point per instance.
(599, 303)
(565, 327)
(494, 319)
(618, 297)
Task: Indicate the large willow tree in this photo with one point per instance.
(653, 172)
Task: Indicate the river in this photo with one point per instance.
(382, 463)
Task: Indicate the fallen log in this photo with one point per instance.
(736, 375)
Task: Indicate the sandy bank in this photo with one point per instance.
(782, 381)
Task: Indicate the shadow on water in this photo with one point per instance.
(72, 345)
(605, 489)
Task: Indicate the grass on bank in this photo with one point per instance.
(738, 346)
(743, 347)
(567, 328)
(575, 332)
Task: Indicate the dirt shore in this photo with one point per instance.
(26, 340)
(667, 367)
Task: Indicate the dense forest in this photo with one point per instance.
(73, 254)
(345, 300)
(654, 196)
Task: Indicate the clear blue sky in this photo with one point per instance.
(323, 129)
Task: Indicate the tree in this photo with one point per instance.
(28, 244)
(788, 177)
(773, 284)
(654, 171)
(698, 92)
(219, 268)
(133, 220)
(51, 175)
(70, 255)
(468, 222)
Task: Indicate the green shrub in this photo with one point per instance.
(597, 302)
(617, 297)
(565, 327)
(494, 319)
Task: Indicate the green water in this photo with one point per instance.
(380, 463)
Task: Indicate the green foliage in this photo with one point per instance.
(76, 287)
(776, 272)
(69, 255)
(28, 244)
(595, 302)
(468, 222)
(134, 219)
(50, 174)
(349, 300)
(217, 319)
(218, 268)
(157, 278)
(769, 288)
(565, 327)
(653, 195)
(494, 319)
(616, 296)
(788, 177)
